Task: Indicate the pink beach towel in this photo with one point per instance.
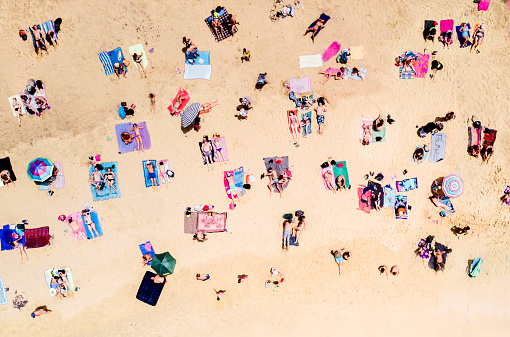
(483, 5)
(421, 66)
(183, 102)
(77, 216)
(223, 146)
(364, 199)
(216, 222)
(366, 122)
(329, 168)
(225, 183)
(332, 50)
(59, 181)
(300, 85)
(446, 25)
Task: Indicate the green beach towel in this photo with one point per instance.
(341, 169)
(138, 49)
(379, 136)
(476, 265)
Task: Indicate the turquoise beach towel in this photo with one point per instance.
(105, 194)
(476, 265)
(146, 172)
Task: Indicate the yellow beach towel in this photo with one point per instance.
(138, 49)
(357, 53)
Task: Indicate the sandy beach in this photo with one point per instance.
(313, 300)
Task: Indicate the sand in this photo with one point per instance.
(314, 299)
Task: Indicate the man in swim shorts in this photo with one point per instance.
(96, 179)
(287, 226)
(273, 177)
(152, 174)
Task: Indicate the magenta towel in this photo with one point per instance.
(332, 50)
(423, 66)
(446, 25)
(483, 5)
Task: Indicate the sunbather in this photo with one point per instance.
(217, 27)
(374, 197)
(20, 247)
(217, 148)
(207, 150)
(320, 110)
(379, 123)
(478, 36)
(57, 284)
(429, 128)
(340, 256)
(273, 179)
(328, 179)
(430, 32)
(200, 237)
(231, 22)
(367, 134)
(459, 232)
(96, 178)
(246, 56)
(40, 311)
(449, 116)
(435, 66)
(474, 150)
(158, 279)
(126, 137)
(340, 182)
(39, 39)
(109, 179)
(407, 64)
(294, 125)
(138, 137)
(446, 38)
(18, 108)
(88, 221)
(206, 107)
(439, 261)
(139, 64)
(355, 72)
(119, 68)
(464, 31)
(76, 230)
(151, 169)
(219, 293)
(315, 29)
(146, 258)
(287, 227)
(297, 230)
(203, 277)
(284, 178)
(51, 38)
(333, 72)
(232, 188)
(486, 152)
(419, 153)
(65, 281)
(5, 175)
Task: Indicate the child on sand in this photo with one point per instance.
(246, 56)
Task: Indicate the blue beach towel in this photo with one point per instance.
(323, 17)
(437, 147)
(95, 220)
(239, 180)
(407, 185)
(389, 197)
(116, 55)
(202, 55)
(48, 26)
(6, 236)
(107, 63)
(401, 204)
(149, 291)
(143, 249)
(105, 194)
(476, 265)
(148, 182)
(292, 241)
(459, 35)
(3, 298)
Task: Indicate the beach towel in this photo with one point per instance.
(126, 127)
(10, 233)
(50, 273)
(193, 72)
(425, 254)
(190, 223)
(389, 197)
(148, 182)
(104, 193)
(48, 26)
(483, 5)
(307, 119)
(446, 25)
(366, 123)
(322, 17)
(377, 189)
(421, 66)
(215, 222)
(332, 50)
(3, 298)
(459, 35)
(95, 220)
(288, 120)
(332, 179)
(407, 185)
(180, 108)
(149, 292)
(59, 181)
(81, 226)
(428, 24)
(364, 196)
(223, 22)
(202, 59)
(348, 74)
(357, 53)
(424, 156)
(445, 203)
(437, 147)
(300, 85)
(489, 137)
(442, 248)
(379, 136)
(405, 74)
(475, 267)
(310, 61)
(107, 63)
(21, 109)
(401, 205)
(116, 55)
(138, 49)
(5, 164)
(292, 241)
(146, 248)
(340, 168)
(37, 237)
(223, 146)
(279, 164)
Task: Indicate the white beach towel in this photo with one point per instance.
(138, 49)
(300, 85)
(357, 53)
(59, 181)
(192, 72)
(310, 61)
(20, 103)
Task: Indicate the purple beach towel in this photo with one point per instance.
(146, 138)
(332, 50)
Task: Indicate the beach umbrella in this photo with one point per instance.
(40, 169)
(452, 186)
(163, 264)
(189, 114)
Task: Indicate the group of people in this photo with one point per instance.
(217, 25)
(212, 149)
(50, 36)
(99, 181)
(60, 283)
(279, 181)
(290, 231)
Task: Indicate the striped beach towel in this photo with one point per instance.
(107, 62)
(408, 74)
(48, 26)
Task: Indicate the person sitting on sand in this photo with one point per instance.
(76, 230)
(5, 176)
(486, 152)
(88, 221)
(207, 150)
(340, 256)
(217, 27)
(42, 310)
(419, 153)
(146, 258)
(430, 128)
(119, 68)
(200, 237)
(96, 179)
(464, 32)
(297, 230)
(158, 279)
(478, 36)
(328, 179)
(126, 137)
(315, 29)
(20, 247)
(287, 227)
(379, 123)
(109, 179)
(231, 23)
(139, 63)
(51, 38)
(394, 270)
(446, 38)
(203, 277)
(435, 66)
(138, 137)
(246, 56)
(356, 72)
(293, 126)
(273, 179)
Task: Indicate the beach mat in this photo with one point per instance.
(126, 127)
(106, 62)
(310, 61)
(357, 53)
(223, 21)
(59, 181)
(105, 194)
(389, 197)
(279, 164)
(400, 202)
(149, 292)
(9, 233)
(223, 145)
(459, 35)
(407, 184)
(422, 65)
(341, 169)
(37, 237)
(138, 49)
(379, 136)
(446, 25)
(197, 71)
(216, 222)
(48, 275)
(148, 182)
(332, 50)
(300, 85)
(483, 5)
(95, 219)
(203, 59)
(22, 106)
(437, 147)
(79, 219)
(3, 297)
(146, 248)
(190, 223)
(183, 102)
(378, 190)
(5, 164)
(489, 137)
(476, 265)
(364, 199)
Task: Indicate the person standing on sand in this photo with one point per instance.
(340, 256)
(287, 227)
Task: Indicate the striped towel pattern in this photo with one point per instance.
(59, 181)
(405, 74)
(107, 62)
(47, 26)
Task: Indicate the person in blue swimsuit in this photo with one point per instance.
(464, 31)
(340, 256)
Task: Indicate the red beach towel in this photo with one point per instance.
(37, 237)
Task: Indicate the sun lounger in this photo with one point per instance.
(5, 164)
(3, 297)
(459, 36)
(211, 222)
(146, 248)
(300, 85)
(223, 21)
(149, 292)
(95, 219)
(475, 267)
(389, 197)
(105, 194)
(364, 199)
(310, 61)
(180, 108)
(401, 205)
(437, 147)
(279, 164)
(340, 168)
(332, 50)
(138, 49)
(37, 237)
(407, 185)
(48, 275)
(7, 234)
(148, 182)
(144, 133)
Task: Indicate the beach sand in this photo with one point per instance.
(313, 299)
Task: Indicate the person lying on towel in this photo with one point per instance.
(126, 137)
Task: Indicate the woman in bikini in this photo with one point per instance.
(88, 221)
(478, 36)
(367, 134)
(206, 107)
(65, 281)
(328, 179)
(178, 102)
(162, 173)
(464, 32)
(153, 103)
(76, 230)
(138, 137)
(340, 182)
(333, 72)
(246, 56)
(18, 108)
(297, 230)
(110, 177)
(139, 63)
(217, 147)
(216, 24)
(293, 126)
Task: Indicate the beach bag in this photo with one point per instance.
(342, 58)
(23, 34)
(126, 63)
